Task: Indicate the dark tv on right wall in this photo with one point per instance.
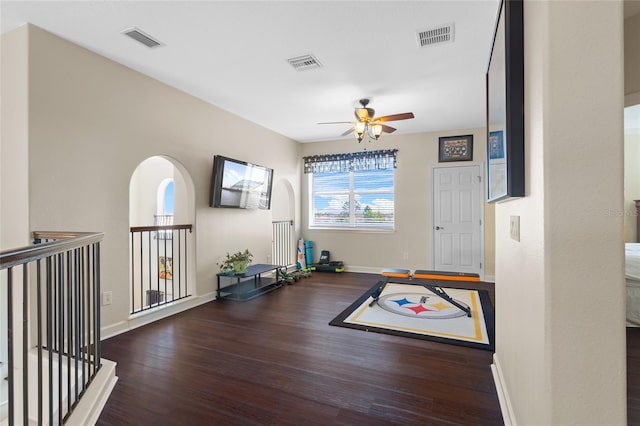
(239, 184)
(505, 105)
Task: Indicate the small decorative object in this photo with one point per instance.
(236, 263)
(166, 267)
(455, 148)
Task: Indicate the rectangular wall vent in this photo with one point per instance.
(141, 37)
(302, 63)
(431, 36)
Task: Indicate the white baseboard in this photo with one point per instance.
(363, 269)
(503, 396)
(93, 401)
(155, 314)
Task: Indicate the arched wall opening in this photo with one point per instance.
(284, 224)
(162, 261)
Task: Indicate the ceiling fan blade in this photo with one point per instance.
(347, 132)
(337, 122)
(388, 129)
(396, 117)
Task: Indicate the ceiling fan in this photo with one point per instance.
(368, 124)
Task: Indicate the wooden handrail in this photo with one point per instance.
(159, 228)
(65, 241)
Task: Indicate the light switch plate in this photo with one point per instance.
(514, 227)
(107, 298)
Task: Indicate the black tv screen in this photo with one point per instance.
(241, 185)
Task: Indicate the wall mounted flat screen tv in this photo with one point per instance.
(241, 185)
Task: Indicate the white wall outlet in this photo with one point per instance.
(405, 255)
(107, 298)
(269, 259)
(514, 227)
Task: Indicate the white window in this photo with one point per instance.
(164, 207)
(351, 194)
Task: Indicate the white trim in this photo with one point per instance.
(364, 269)
(503, 396)
(93, 401)
(155, 314)
(481, 206)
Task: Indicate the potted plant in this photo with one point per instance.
(236, 263)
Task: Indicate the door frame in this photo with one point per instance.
(481, 206)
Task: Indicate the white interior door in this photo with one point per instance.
(458, 230)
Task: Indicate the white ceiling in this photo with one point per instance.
(233, 54)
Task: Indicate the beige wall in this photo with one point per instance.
(92, 121)
(14, 134)
(373, 251)
(557, 362)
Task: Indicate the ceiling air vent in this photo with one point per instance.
(306, 62)
(438, 35)
(141, 37)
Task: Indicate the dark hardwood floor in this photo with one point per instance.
(275, 360)
(633, 376)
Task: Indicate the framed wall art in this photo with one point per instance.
(165, 265)
(455, 148)
(505, 106)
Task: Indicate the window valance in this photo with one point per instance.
(355, 161)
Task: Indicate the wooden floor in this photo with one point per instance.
(633, 376)
(275, 360)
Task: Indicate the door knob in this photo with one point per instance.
(439, 228)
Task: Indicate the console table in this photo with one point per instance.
(249, 285)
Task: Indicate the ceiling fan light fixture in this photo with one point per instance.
(377, 130)
(359, 130)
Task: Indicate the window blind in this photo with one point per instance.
(352, 190)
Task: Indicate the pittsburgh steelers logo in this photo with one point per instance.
(419, 305)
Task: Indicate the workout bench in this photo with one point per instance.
(424, 275)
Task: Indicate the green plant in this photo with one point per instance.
(236, 262)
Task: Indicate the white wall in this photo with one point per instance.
(560, 343)
(373, 251)
(92, 121)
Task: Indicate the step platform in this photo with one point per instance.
(396, 273)
(445, 276)
(333, 266)
(430, 275)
